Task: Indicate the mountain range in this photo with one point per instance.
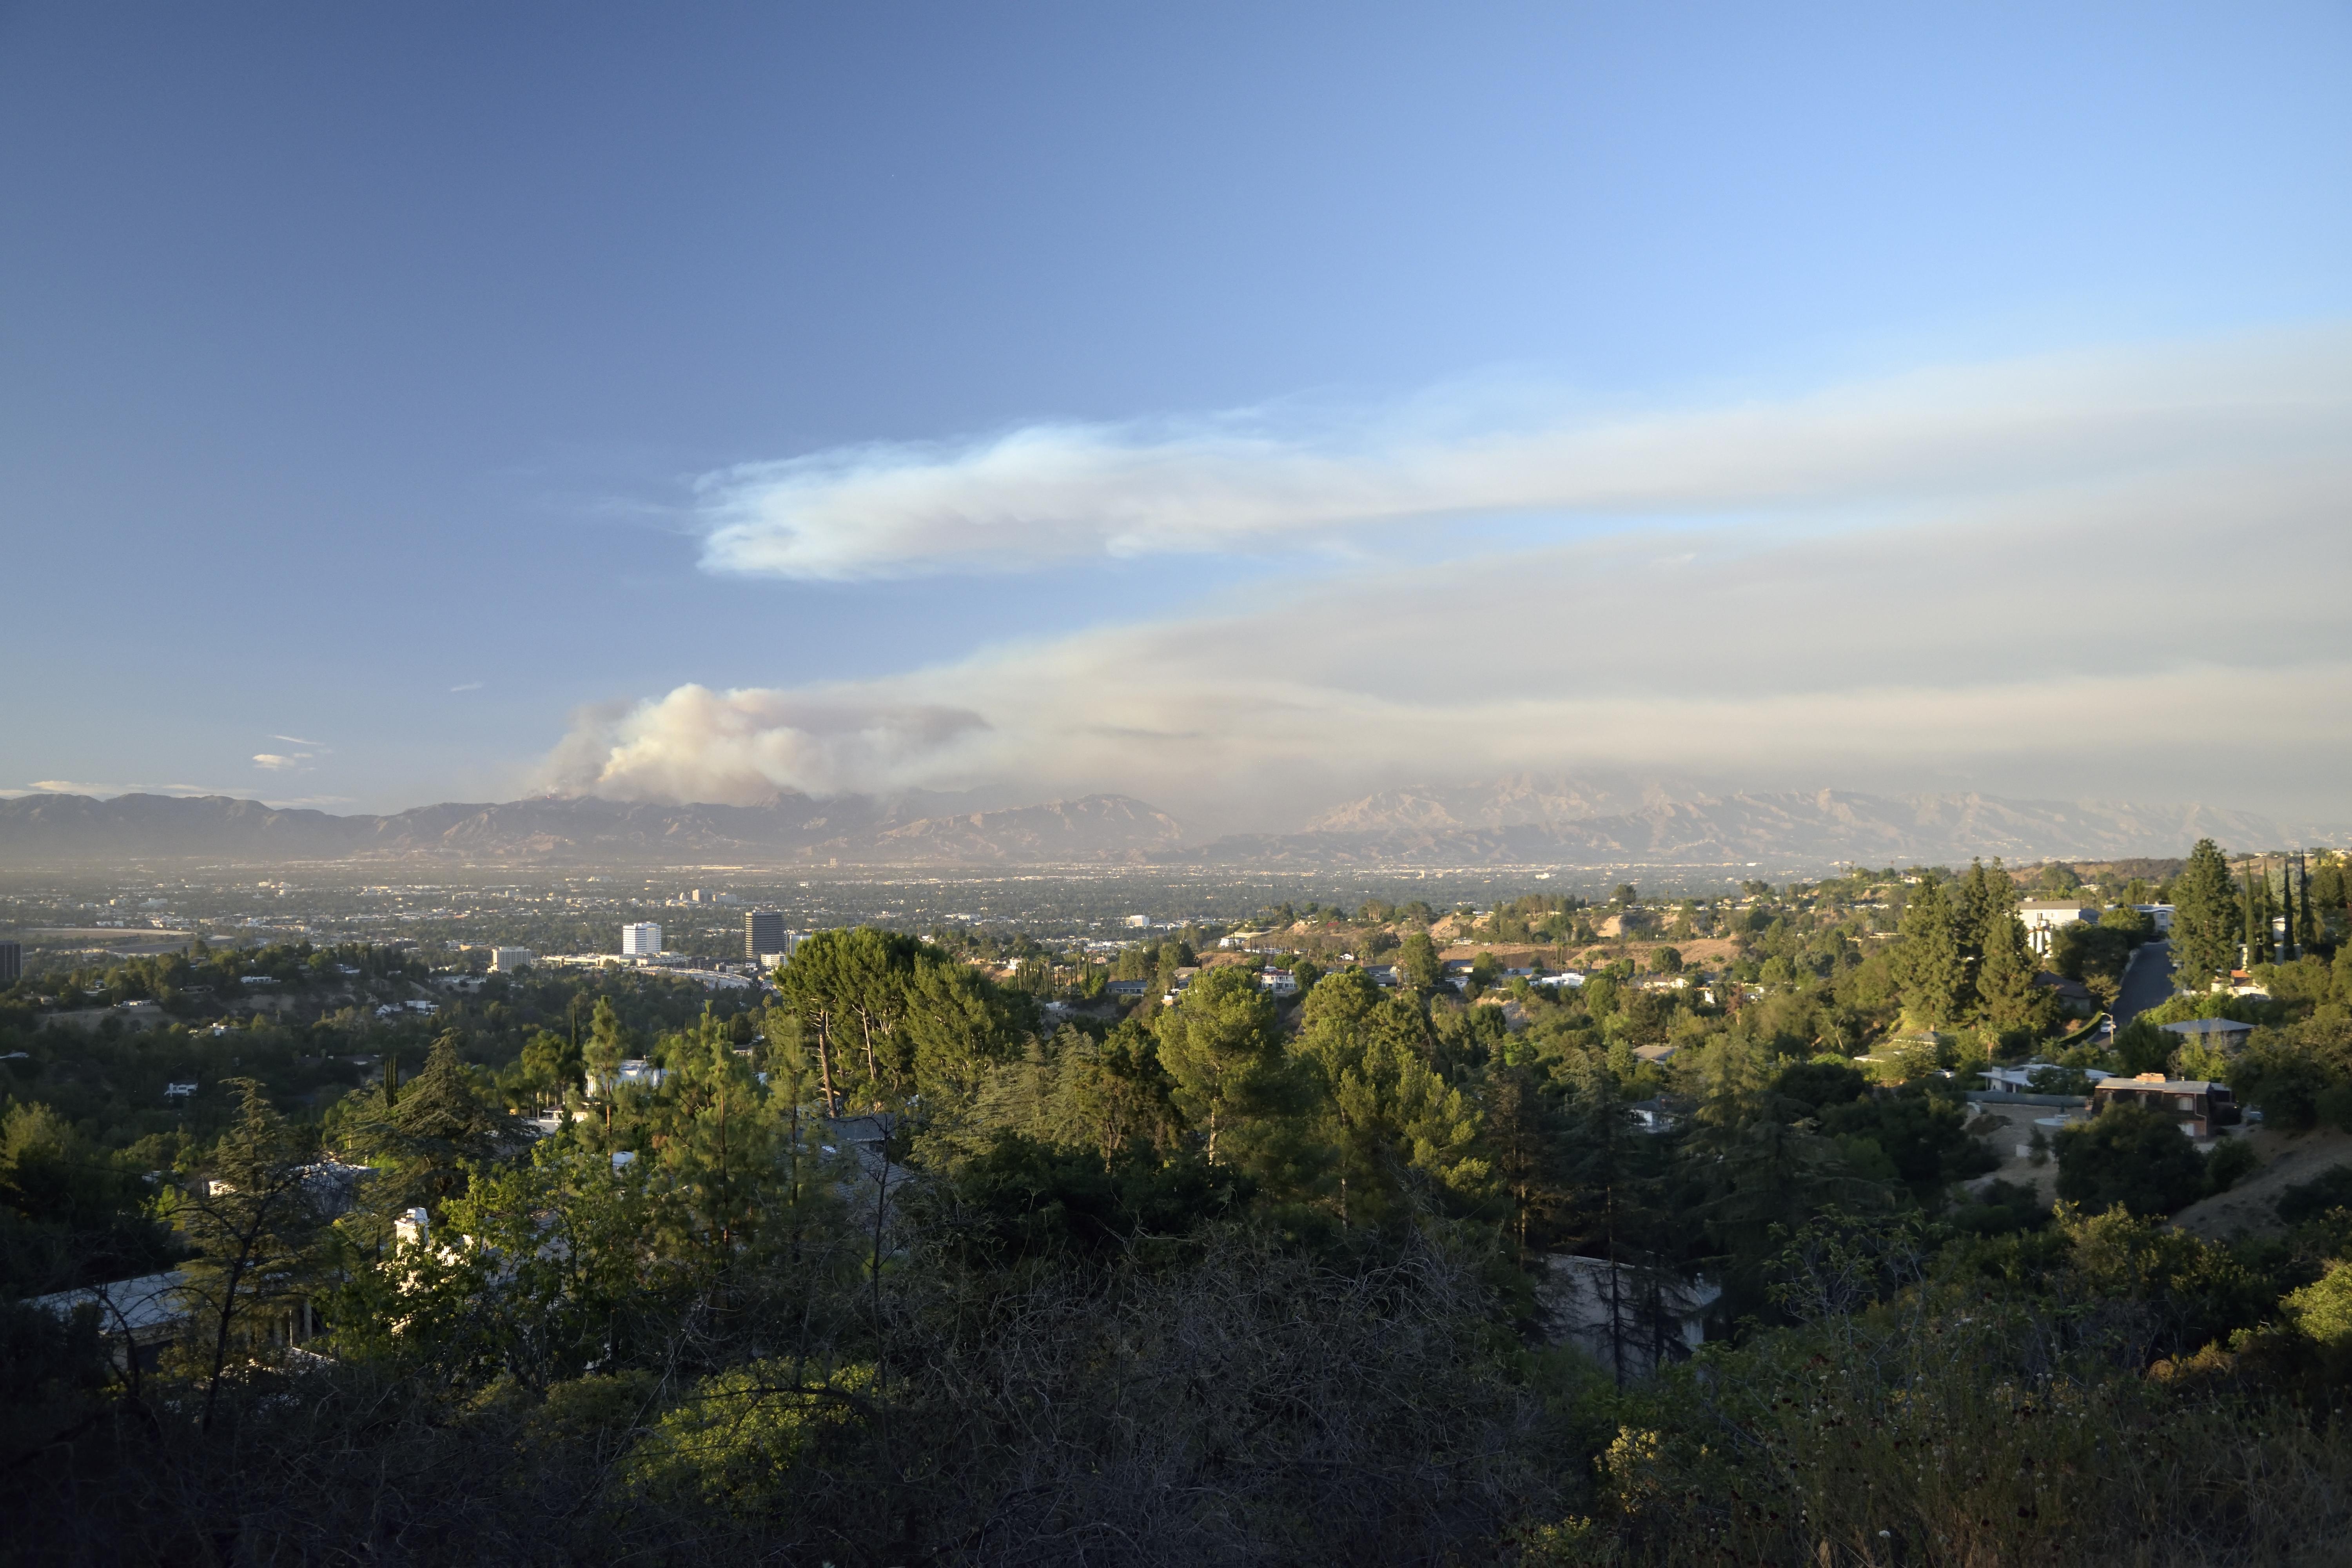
(1531, 820)
(794, 829)
(1524, 820)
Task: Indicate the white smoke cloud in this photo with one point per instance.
(740, 747)
(2119, 577)
(1055, 492)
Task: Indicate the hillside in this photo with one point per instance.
(1519, 821)
(51, 830)
(1525, 820)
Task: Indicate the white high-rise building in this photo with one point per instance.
(641, 941)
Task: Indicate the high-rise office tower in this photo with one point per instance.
(641, 941)
(764, 932)
(12, 962)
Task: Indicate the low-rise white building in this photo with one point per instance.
(2043, 917)
(1628, 1319)
(635, 1072)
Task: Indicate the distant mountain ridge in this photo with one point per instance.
(794, 829)
(1522, 820)
(1528, 820)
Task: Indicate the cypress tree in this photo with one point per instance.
(2288, 949)
(2246, 948)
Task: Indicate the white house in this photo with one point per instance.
(2041, 917)
(637, 1072)
(1628, 1319)
(136, 1318)
(2020, 1079)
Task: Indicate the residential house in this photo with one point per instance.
(136, 1318)
(1628, 1319)
(2201, 1108)
(637, 1072)
(2072, 994)
(2020, 1079)
(2225, 1034)
(2043, 917)
(1654, 1116)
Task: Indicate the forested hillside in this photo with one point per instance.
(1439, 1259)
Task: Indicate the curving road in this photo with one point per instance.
(2147, 981)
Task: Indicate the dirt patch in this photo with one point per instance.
(2015, 1132)
(2288, 1159)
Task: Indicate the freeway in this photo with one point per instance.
(2147, 981)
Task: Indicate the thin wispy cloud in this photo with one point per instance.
(2019, 575)
(1047, 493)
(299, 741)
(470, 685)
(279, 761)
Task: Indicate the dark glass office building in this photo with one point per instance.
(764, 932)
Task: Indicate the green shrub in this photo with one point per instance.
(2128, 1157)
(2331, 1189)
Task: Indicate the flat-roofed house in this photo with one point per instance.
(2224, 1034)
(2201, 1108)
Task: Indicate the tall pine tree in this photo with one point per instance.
(2205, 919)
(2005, 977)
(1928, 964)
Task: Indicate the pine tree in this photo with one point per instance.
(1526, 1130)
(1221, 1046)
(1392, 1111)
(255, 1221)
(1973, 901)
(2005, 978)
(2205, 915)
(608, 1047)
(716, 1147)
(1616, 1212)
(1929, 966)
(439, 1128)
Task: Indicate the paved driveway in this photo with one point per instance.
(2146, 982)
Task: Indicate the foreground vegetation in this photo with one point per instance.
(901, 1265)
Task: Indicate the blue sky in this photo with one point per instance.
(451, 401)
